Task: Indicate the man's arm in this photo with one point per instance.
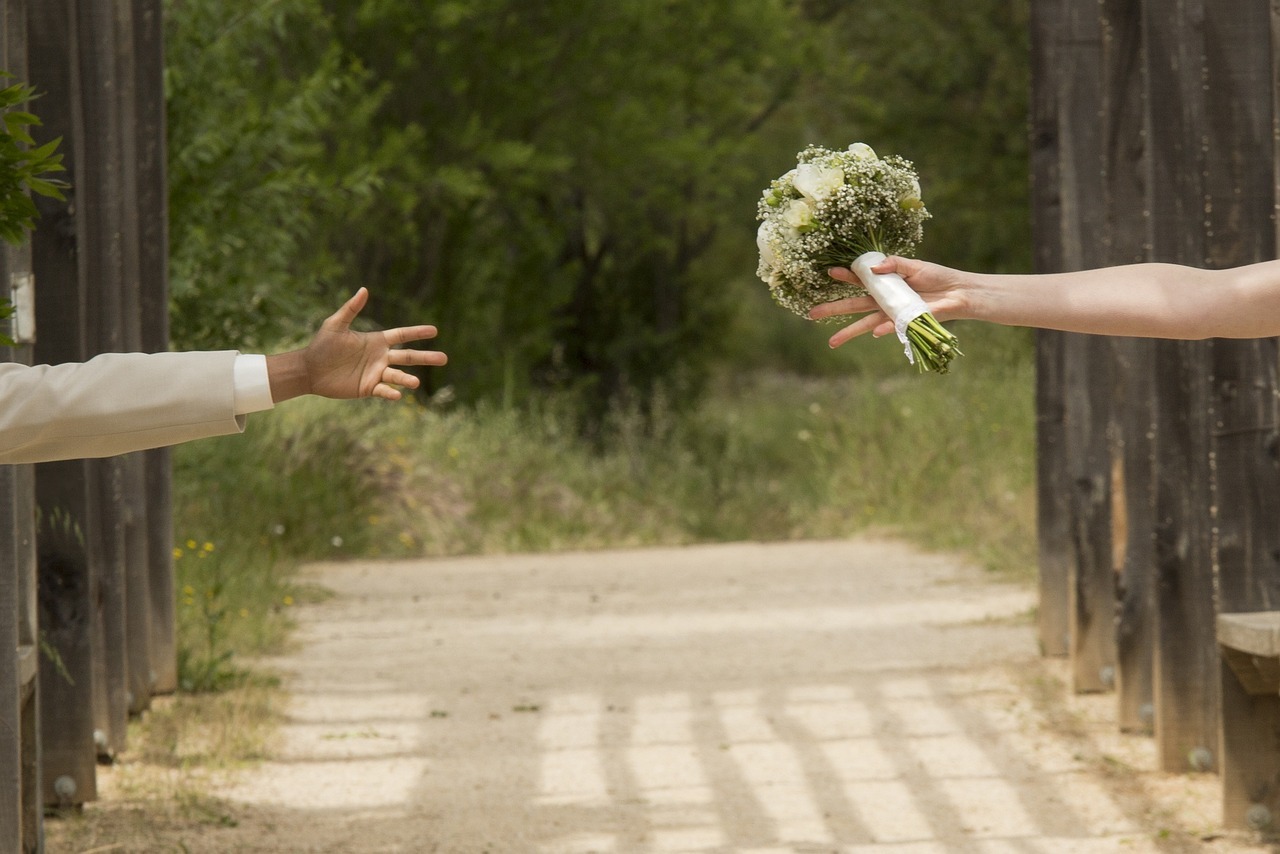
(113, 404)
(118, 403)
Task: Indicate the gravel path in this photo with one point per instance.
(853, 696)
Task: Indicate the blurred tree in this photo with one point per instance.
(565, 167)
(259, 98)
(567, 189)
(946, 85)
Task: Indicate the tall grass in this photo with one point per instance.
(947, 462)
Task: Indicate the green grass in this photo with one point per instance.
(945, 462)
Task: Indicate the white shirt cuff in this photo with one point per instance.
(252, 385)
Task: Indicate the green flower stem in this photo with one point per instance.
(932, 344)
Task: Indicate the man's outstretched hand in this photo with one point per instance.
(342, 363)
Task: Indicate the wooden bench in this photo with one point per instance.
(1249, 644)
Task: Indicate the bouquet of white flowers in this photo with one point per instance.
(849, 209)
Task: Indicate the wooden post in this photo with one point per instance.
(62, 489)
(1133, 530)
(1052, 521)
(1240, 180)
(1087, 358)
(19, 594)
(21, 806)
(153, 280)
(1186, 672)
(136, 627)
(20, 802)
(102, 259)
(1131, 407)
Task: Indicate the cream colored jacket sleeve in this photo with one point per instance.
(114, 404)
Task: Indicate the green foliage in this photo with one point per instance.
(946, 462)
(24, 169)
(205, 659)
(946, 85)
(259, 102)
(24, 165)
(302, 484)
(567, 166)
(566, 189)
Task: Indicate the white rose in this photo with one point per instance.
(818, 182)
(910, 199)
(798, 214)
(862, 151)
(767, 254)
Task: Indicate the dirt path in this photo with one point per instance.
(815, 697)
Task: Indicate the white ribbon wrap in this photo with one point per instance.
(892, 294)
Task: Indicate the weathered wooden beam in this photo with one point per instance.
(1052, 519)
(63, 489)
(153, 283)
(1131, 415)
(1087, 361)
(102, 249)
(1186, 671)
(1240, 196)
(136, 569)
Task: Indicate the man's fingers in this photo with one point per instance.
(405, 334)
(342, 319)
(386, 392)
(394, 376)
(416, 357)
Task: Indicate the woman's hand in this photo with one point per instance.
(941, 288)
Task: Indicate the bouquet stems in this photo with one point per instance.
(932, 345)
(929, 345)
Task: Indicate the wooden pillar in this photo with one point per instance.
(63, 489)
(153, 283)
(1133, 529)
(103, 280)
(21, 805)
(1186, 674)
(20, 802)
(136, 678)
(1052, 520)
(1240, 179)
(1086, 358)
(1131, 413)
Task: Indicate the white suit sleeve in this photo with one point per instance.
(118, 403)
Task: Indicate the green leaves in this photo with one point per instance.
(566, 189)
(260, 103)
(24, 167)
